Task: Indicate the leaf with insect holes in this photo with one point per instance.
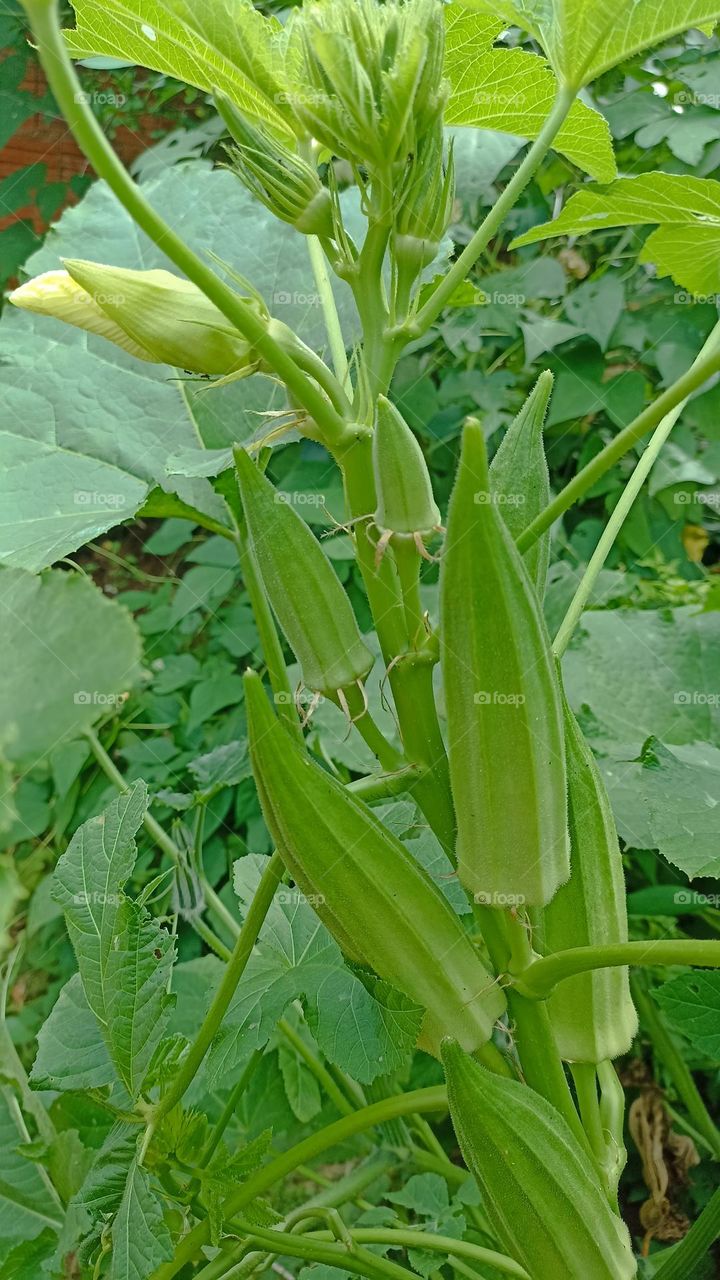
(583, 38)
(686, 211)
(366, 1032)
(123, 955)
(513, 91)
(691, 1003)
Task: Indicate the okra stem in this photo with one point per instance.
(423, 1100)
(622, 510)
(234, 970)
(372, 735)
(72, 102)
(539, 978)
(384, 785)
(492, 223)
(406, 1238)
(650, 418)
(330, 312)
(675, 1064)
(316, 1067)
(230, 1107)
(285, 1244)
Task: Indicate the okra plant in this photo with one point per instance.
(510, 969)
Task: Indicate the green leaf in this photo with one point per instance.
(76, 656)
(71, 1052)
(26, 1207)
(691, 1002)
(513, 91)
(124, 957)
(596, 306)
(583, 38)
(686, 244)
(140, 1237)
(193, 43)
(365, 1032)
(25, 1261)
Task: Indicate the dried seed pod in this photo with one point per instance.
(504, 711)
(592, 1014)
(373, 896)
(305, 593)
(154, 315)
(405, 498)
(520, 480)
(543, 1199)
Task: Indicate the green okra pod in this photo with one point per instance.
(406, 504)
(544, 1201)
(373, 896)
(520, 480)
(306, 595)
(504, 709)
(592, 1014)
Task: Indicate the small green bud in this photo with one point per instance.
(367, 77)
(154, 315)
(306, 595)
(285, 183)
(405, 498)
(426, 206)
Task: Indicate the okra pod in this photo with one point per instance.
(504, 709)
(406, 504)
(304, 591)
(373, 896)
(543, 1199)
(519, 477)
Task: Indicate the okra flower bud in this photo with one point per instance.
(304, 591)
(406, 505)
(519, 477)
(285, 183)
(504, 711)
(154, 315)
(543, 1199)
(593, 1017)
(367, 77)
(426, 206)
(375, 898)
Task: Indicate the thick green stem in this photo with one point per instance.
(675, 1064)
(684, 1257)
(355, 706)
(385, 785)
(330, 311)
(539, 1058)
(494, 220)
(422, 1100)
(234, 970)
(269, 639)
(68, 94)
(622, 510)
(538, 979)
(406, 1238)
(650, 418)
(359, 1260)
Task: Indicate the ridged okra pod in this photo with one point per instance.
(306, 595)
(543, 1199)
(504, 709)
(592, 1014)
(373, 896)
(406, 504)
(519, 477)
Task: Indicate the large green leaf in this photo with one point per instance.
(686, 244)
(692, 1003)
(123, 955)
(26, 1207)
(88, 432)
(71, 1053)
(513, 91)
(207, 45)
(140, 1236)
(74, 654)
(582, 38)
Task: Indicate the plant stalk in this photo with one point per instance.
(538, 979)
(684, 1257)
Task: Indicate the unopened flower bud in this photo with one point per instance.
(285, 183)
(426, 206)
(154, 315)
